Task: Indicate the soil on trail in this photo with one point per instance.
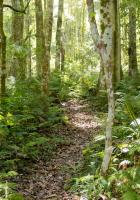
(46, 180)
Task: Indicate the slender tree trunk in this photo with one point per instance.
(59, 35)
(117, 71)
(117, 46)
(2, 53)
(40, 38)
(101, 84)
(28, 22)
(41, 58)
(83, 21)
(48, 23)
(105, 46)
(132, 50)
(62, 54)
(19, 62)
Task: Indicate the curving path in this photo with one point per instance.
(47, 180)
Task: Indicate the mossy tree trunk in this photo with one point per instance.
(62, 58)
(19, 58)
(132, 50)
(117, 46)
(105, 46)
(2, 54)
(41, 58)
(117, 70)
(40, 38)
(28, 23)
(59, 35)
(48, 23)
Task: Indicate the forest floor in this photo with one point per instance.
(46, 180)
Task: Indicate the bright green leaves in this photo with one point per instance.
(131, 195)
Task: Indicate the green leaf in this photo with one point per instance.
(131, 195)
(16, 197)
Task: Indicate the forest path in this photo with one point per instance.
(47, 181)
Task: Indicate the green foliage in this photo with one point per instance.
(27, 146)
(75, 82)
(15, 197)
(26, 116)
(7, 189)
(128, 100)
(118, 184)
(123, 179)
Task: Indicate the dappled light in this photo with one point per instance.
(82, 120)
(47, 180)
(69, 100)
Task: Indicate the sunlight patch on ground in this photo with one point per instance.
(80, 117)
(84, 121)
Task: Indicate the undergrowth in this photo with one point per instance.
(26, 115)
(123, 179)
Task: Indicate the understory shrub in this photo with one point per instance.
(75, 81)
(123, 179)
(26, 116)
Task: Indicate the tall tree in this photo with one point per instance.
(19, 61)
(48, 23)
(117, 46)
(41, 58)
(132, 50)
(59, 35)
(40, 38)
(105, 46)
(2, 53)
(28, 23)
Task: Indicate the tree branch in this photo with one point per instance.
(93, 25)
(16, 10)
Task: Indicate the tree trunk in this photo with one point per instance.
(2, 54)
(105, 47)
(132, 50)
(28, 22)
(83, 21)
(117, 46)
(19, 61)
(117, 70)
(41, 58)
(101, 84)
(59, 35)
(40, 38)
(62, 55)
(48, 23)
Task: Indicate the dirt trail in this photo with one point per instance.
(47, 181)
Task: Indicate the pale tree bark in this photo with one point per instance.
(101, 84)
(19, 60)
(104, 44)
(48, 23)
(132, 50)
(2, 54)
(59, 35)
(117, 71)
